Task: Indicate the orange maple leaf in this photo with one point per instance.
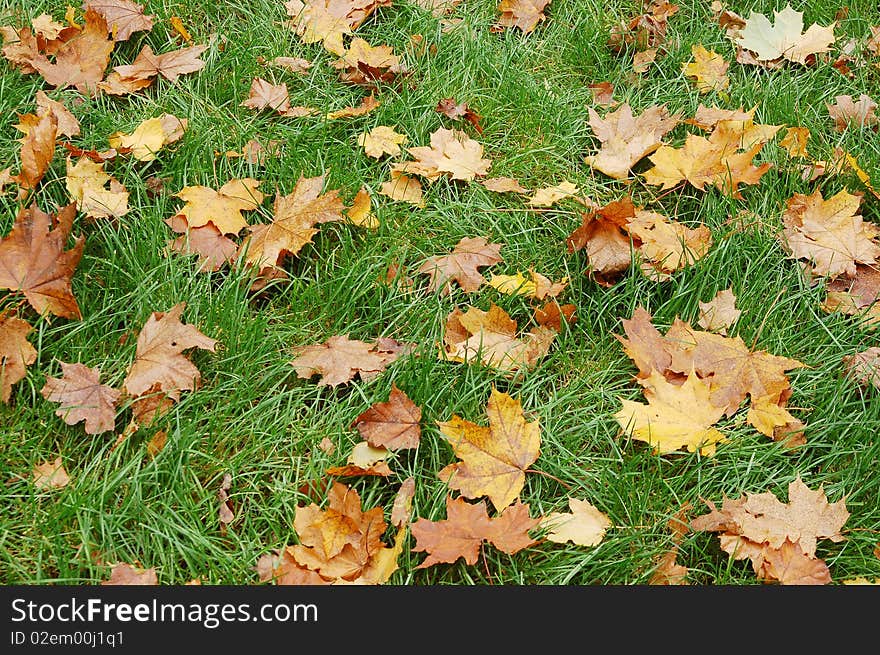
(82, 397)
(159, 363)
(33, 260)
(461, 265)
(16, 352)
(494, 458)
(466, 527)
(394, 424)
(339, 359)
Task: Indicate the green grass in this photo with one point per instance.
(254, 419)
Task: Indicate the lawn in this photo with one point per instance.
(251, 417)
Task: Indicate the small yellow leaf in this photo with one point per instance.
(381, 140)
(360, 213)
(584, 525)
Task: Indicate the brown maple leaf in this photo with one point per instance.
(82, 397)
(466, 527)
(341, 542)
(79, 61)
(469, 254)
(37, 148)
(159, 363)
(857, 295)
(265, 95)
(830, 234)
(450, 108)
(128, 574)
(364, 459)
(339, 359)
(213, 248)
(365, 65)
(777, 537)
(490, 337)
(400, 509)
(50, 475)
(394, 424)
(123, 17)
(452, 153)
(170, 65)
(524, 14)
(366, 105)
(494, 459)
(847, 113)
(68, 125)
(295, 217)
(666, 246)
(719, 313)
(86, 182)
(604, 236)
(33, 260)
(626, 139)
(864, 367)
(646, 30)
(16, 352)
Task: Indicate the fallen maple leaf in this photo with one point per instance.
(85, 183)
(82, 397)
(830, 234)
(708, 69)
(67, 123)
(847, 113)
(584, 525)
(603, 93)
(646, 30)
(403, 188)
(535, 286)
(466, 527)
(33, 260)
(50, 475)
(213, 248)
(719, 313)
(452, 153)
(339, 359)
(666, 246)
(126, 574)
(857, 295)
(292, 64)
(170, 65)
(363, 459)
(366, 105)
(504, 185)
(494, 459)
(342, 542)
(265, 95)
(524, 14)
(626, 139)
(716, 160)
(328, 21)
(784, 38)
(16, 352)
(469, 254)
(548, 196)
(159, 359)
(80, 61)
(603, 233)
(381, 140)
(795, 141)
(123, 17)
(675, 416)
(458, 110)
(150, 136)
(778, 537)
(394, 424)
(365, 65)
(295, 216)
(360, 213)
(490, 337)
(37, 149)
(222, 208)
(400, 509)
(864, 367)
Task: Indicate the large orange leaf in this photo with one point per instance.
(16, 352)
(33, 260)
(466, 527)
(494, 459)
(339, 359)
(159, 360)
(394, 424)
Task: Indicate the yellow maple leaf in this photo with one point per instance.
(381, 140)
(223, 207)
(708, 69)
(494, 458)
(675, 416)
(150, 136)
